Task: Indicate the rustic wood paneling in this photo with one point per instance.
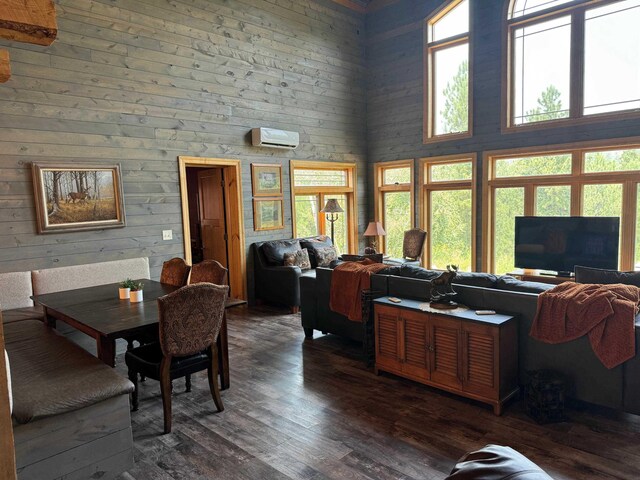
(395, 100)
(142, 81)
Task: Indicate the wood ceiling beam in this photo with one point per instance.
(29, 21)
(5, 68)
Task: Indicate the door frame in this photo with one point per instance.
(235, 216)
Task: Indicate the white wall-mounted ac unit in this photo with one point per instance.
(270, 137)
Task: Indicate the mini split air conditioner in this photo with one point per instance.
(270, 137)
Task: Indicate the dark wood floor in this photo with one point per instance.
(311, 410)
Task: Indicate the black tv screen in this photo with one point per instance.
(561, 243)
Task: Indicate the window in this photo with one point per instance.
(582, 181)
(447, 72)
(447, 202)
(394, 203)
(562, 55)
(312, 184)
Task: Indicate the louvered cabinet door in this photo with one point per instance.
(480, 348)
(446, 356)
(416, 345)
(387, 333)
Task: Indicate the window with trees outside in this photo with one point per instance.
(394, 203)
(589, 181)
(571, 59)
(312, 184)
(447, 203)
(447, 72)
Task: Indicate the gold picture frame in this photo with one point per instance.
(266, 179)
(268, 214)
(72, 197)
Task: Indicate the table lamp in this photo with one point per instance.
(374, 229)
(332, 209)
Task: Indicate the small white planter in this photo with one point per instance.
(136, 296)
(124, 293)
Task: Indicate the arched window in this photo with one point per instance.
(447, 72)
(571, 59)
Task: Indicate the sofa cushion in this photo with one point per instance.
(52, 376)
(476, 279)
(495, 462)
(506, 282)
(299, 259)
(19, 314)
(274, 251)
(312, 244)
(599, 275)
(53, 280)
(15, 290)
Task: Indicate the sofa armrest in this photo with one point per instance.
(279, 284)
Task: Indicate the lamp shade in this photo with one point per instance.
(374, 229)
(332, 206)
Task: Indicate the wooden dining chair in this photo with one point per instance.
(209, 271)
(175, 272)
(189, 323)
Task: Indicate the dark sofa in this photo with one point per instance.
(588, 379)
(276, 283)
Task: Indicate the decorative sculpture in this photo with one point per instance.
(442, 293)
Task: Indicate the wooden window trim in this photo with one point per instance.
(577, 61)
(351, 191)
(427, 186)
(381, 189)
(577, 179)
(429, 47)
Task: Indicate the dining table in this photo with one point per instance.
(99, 312)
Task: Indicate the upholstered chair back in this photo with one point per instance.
(209, 271)
(190, 318)
(175, 272)
(413, 243)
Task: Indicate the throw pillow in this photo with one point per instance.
(299, 259)
(274, 251)
(312, 244)
(599, 275)
(326, 255)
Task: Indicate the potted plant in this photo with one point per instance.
(125, 288)
(136, 292)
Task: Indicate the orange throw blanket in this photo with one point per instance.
(606, 313)
(348, 280)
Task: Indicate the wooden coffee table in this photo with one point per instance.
(99, 313)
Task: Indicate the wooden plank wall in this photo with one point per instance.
(143, 81)
(394, 92)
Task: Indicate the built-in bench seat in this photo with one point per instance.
(70, 411)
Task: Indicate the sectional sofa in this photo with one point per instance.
(70, 411)
(588, 380)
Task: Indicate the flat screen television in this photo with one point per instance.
(561, 243)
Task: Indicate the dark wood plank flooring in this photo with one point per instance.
(309, 409)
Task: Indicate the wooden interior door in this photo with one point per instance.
(446, 356)
(213, 229)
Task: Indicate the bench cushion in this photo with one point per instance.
(53, 280)
(52, 376)
(15, 290)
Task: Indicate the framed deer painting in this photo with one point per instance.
(71, 197)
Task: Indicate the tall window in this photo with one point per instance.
(448, 210)
(312, 184)
(394, 203)
(587, 181)
(447, 72)
(571, 59)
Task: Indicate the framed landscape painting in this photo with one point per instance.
(268, 214)
(78, 196)
(266, 180)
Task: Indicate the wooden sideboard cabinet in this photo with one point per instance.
(475, 356)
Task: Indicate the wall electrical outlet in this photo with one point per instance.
(167, 234)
